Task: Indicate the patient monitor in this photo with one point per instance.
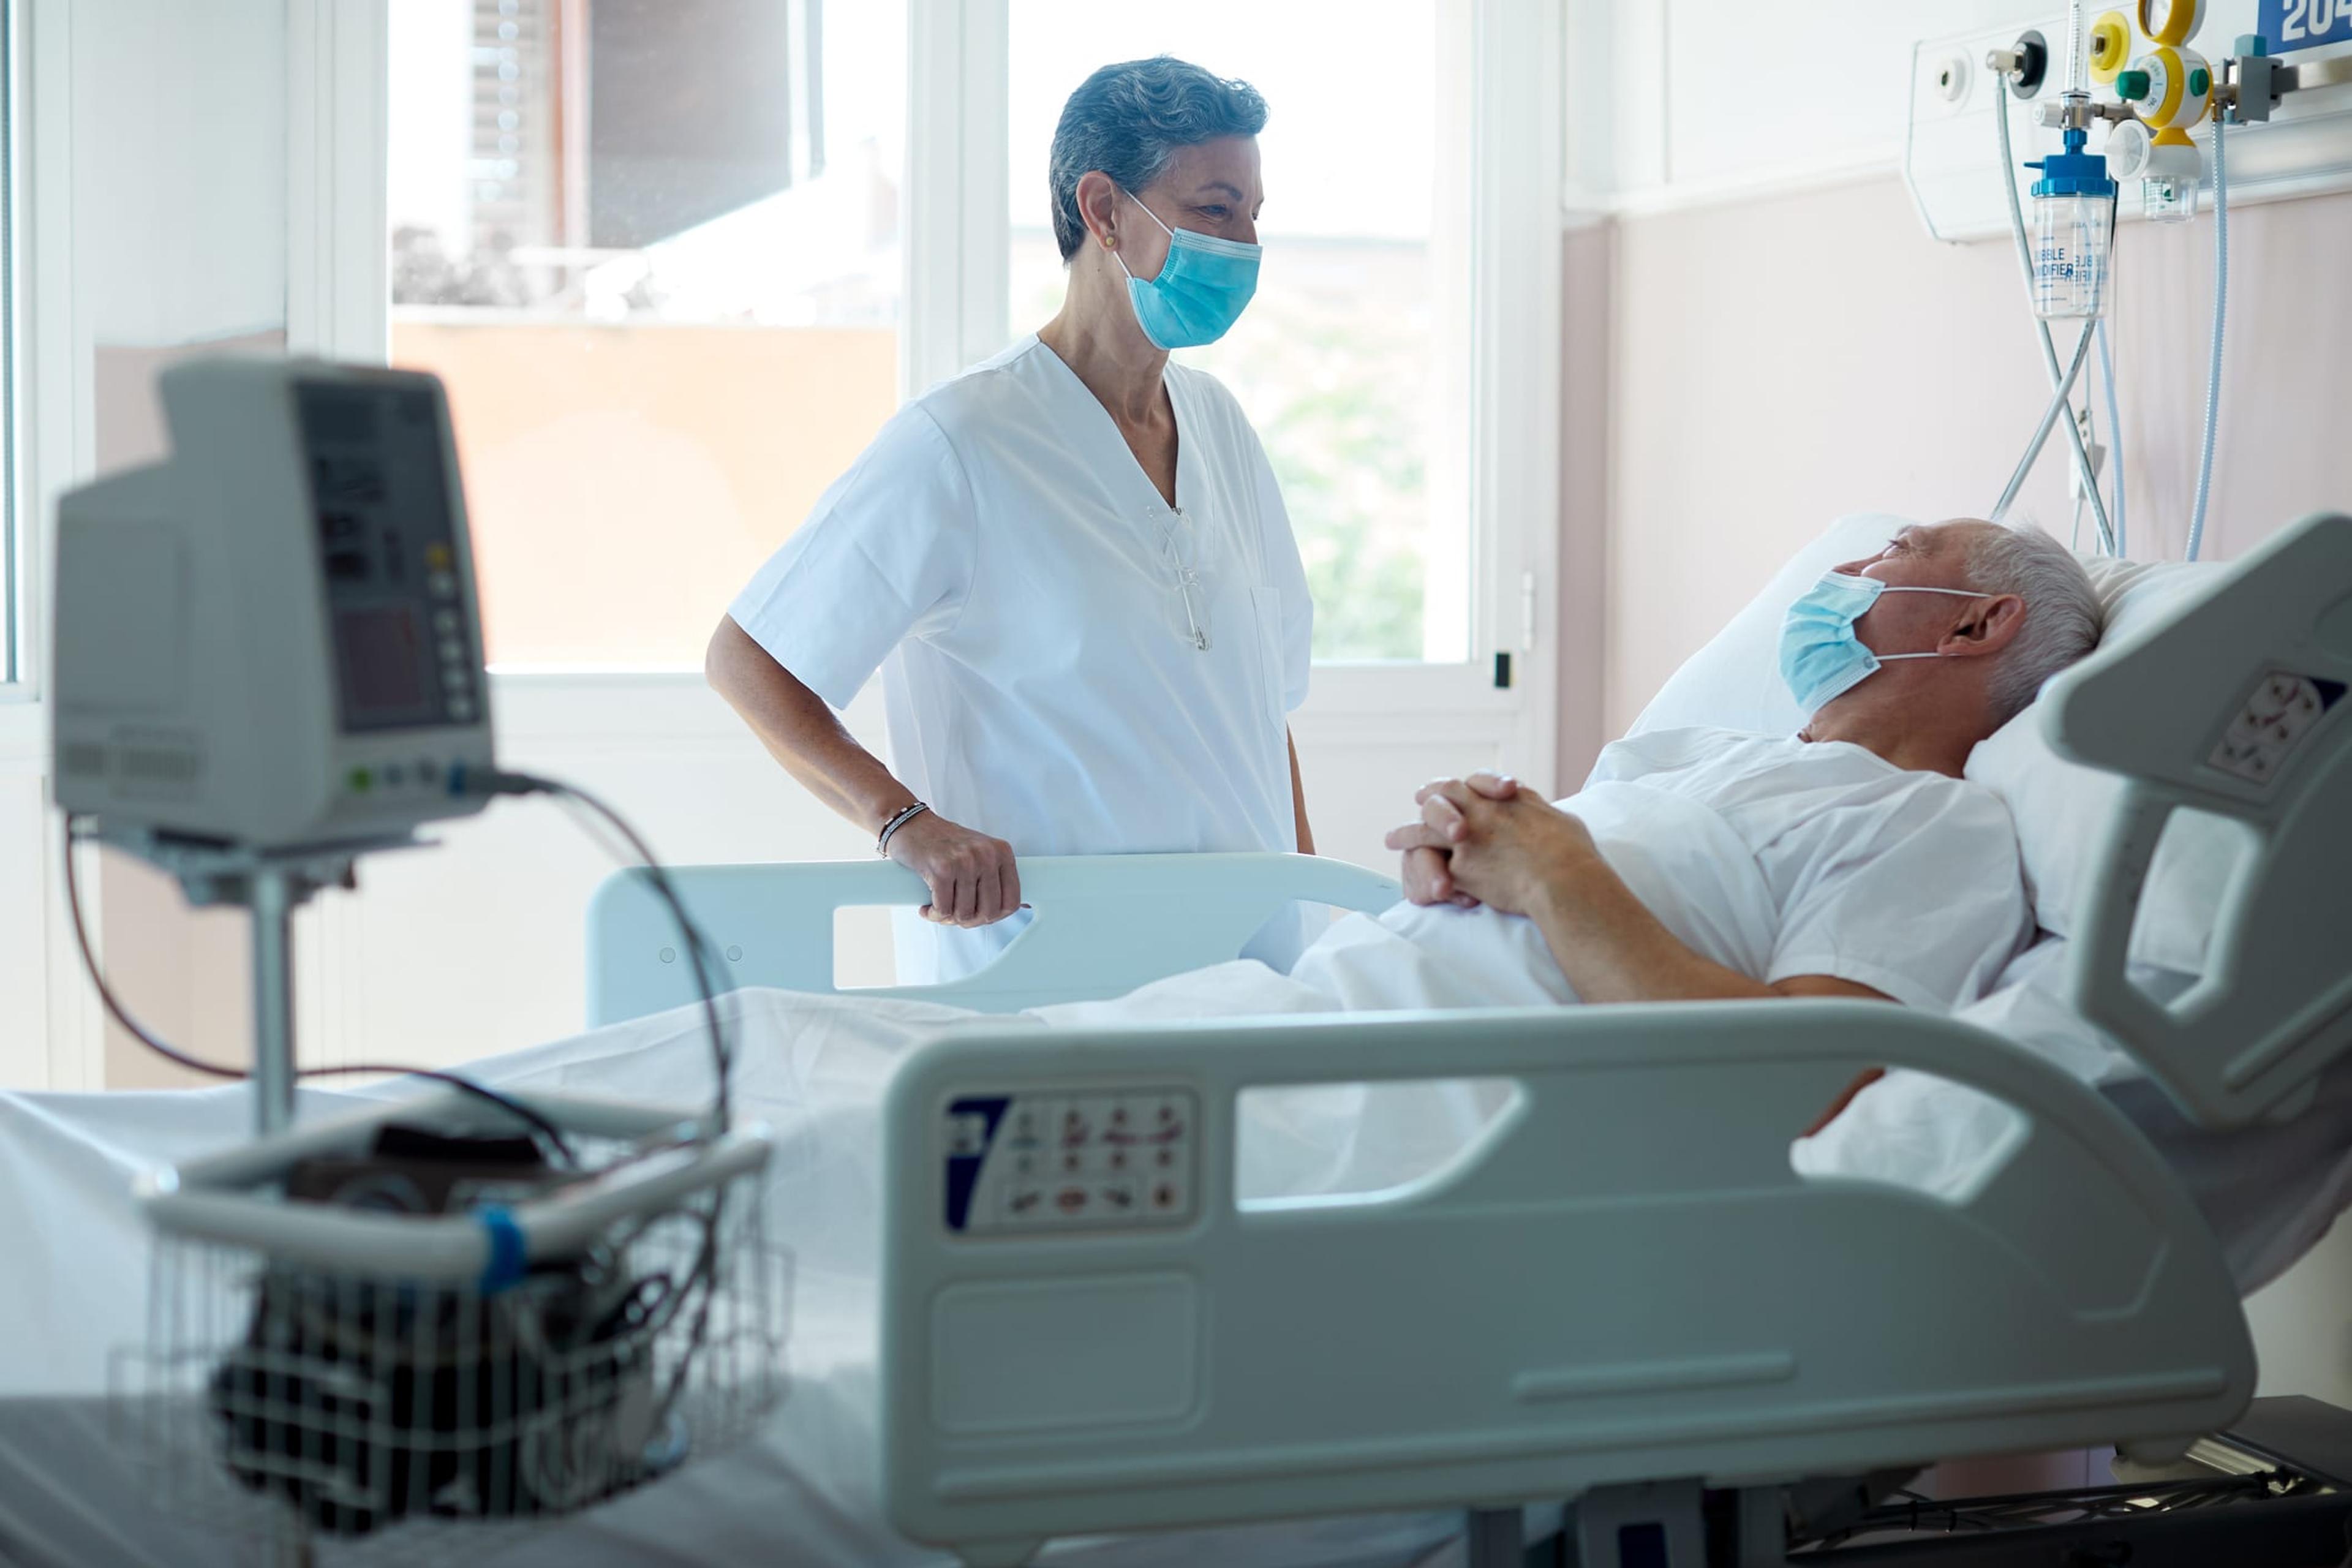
(271, 638)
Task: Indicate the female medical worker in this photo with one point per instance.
(1071, 563)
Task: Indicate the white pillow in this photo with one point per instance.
(2063, 810)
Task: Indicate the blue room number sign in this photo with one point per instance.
(2300, 24)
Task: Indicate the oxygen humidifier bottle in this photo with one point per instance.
(2073, 216)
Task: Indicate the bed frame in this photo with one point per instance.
(1625, 1291)
(773, 925)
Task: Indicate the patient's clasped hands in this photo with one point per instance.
(1482, 840)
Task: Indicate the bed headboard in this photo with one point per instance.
(2236, 706)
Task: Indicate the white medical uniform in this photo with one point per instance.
(1772, 856)
(1002, 558)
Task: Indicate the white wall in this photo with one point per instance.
(179, 147)
(2303, 1330)
(1719, 95)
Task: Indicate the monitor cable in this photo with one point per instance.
(539, 1124)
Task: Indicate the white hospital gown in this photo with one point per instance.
(1772, 856)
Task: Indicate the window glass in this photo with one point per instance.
(1352, 359)
(655, 254)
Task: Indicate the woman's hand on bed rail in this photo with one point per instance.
(972, 878)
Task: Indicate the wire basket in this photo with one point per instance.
(364, 1386)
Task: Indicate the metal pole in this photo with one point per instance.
(275, 894)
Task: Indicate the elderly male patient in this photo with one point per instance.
(1849, 859)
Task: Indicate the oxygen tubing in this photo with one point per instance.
(2063, 400)
(2114, 437)
(2213, 368)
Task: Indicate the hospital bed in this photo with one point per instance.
(1623, 1291)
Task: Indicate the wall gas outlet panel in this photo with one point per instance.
(1950, 157)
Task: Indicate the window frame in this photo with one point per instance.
(1514, 55)
(957, 243)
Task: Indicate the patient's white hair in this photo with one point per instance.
(2062, 609)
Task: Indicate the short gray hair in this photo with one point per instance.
(1129, 120)
(2062, 609)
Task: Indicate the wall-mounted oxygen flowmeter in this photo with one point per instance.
(2262, 71)
(2153, 89)
(271, 638)
(2170, 89)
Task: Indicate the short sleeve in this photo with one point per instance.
(1285, 573)
(888, 554)
(1917, 895)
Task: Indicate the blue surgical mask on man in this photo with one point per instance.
(1202, 289)
(1822, 659)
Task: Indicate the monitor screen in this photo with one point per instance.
(408, 649)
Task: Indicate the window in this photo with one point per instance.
(656, 256)
(1353, 360)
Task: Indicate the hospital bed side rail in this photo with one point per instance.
(1103, 925)
(1624, 1277)
(2237, 705)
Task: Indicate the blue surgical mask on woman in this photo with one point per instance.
(1201, 289)
(1821, 657)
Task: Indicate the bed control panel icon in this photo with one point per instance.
(2272, 723)
(1041, 1162)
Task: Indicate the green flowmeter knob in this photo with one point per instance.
(2131, 86)
(2198, 81)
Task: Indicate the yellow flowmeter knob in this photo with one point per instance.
(2110, 46)
(2174, 87)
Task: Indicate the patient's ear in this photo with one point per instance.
(1988, 626)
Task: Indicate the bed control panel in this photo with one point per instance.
(1042, 1162)
(2273, 721)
